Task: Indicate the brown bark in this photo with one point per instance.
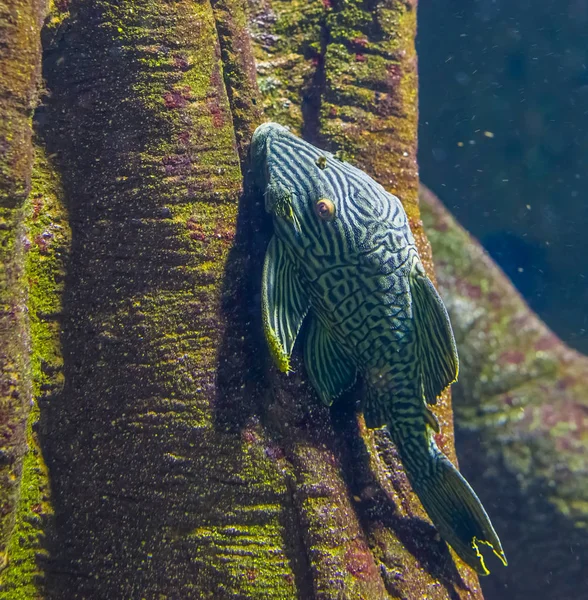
(180, 464)
(151, 495)
(20, 23)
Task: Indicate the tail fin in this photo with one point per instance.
(450, 502)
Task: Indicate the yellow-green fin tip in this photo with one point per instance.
(278, 353)
(499, 553)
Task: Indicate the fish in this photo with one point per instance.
(343, 260)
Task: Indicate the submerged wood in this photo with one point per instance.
(521, 407)
(20, 58)
(166, 456)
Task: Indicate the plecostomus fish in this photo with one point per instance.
(343, 257)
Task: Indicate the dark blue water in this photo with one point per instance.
(504, 140)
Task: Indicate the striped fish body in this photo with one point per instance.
(344, 260)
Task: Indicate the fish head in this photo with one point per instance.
(316, 199)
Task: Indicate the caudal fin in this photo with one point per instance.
(453, 506)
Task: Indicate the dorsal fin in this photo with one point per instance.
(284, 303)
(436, 345)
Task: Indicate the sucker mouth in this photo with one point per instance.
(261, 137)
(260, 147)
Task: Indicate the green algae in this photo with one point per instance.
(287, 43)
(19, 69)
(47, 239)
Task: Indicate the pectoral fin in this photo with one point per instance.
(284, 303)
(328, 365)
(436, 345)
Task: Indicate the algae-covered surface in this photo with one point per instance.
(521, 406)
(166, 457)
(20, 24)
(311, 62)
(46, 240)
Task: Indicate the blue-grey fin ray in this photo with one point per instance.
(330, 370)
(436, 344)
(447, 497)
(284, 303)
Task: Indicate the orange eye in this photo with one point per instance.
(325, 209)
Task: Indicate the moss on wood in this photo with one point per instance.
(344, 75)
(20, 23)
(47, 237)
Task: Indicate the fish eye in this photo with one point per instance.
(325, 209)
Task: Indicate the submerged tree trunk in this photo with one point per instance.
(522, 409)
(166, 457)
(20, 57)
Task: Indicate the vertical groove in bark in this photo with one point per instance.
(288, 41)
(20, 23)
(313, 92)
(153, 492)
(363, 55)
(238, 69)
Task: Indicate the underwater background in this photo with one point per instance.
(503, 139)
